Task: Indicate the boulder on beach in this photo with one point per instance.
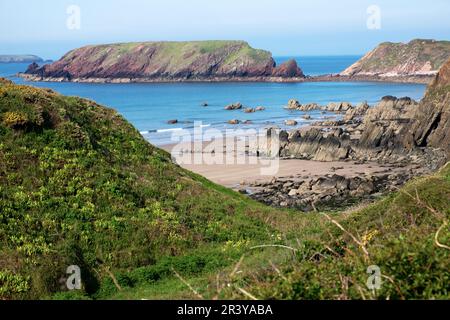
(288, 69)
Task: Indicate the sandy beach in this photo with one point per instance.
(240, 169)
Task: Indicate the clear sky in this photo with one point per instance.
(285, 27)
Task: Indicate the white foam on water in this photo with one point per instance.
(168, 130)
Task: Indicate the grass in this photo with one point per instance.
(316, 259)
(174, 55)
(79, 185)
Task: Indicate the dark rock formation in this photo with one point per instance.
(295, 105)
(33, 68)
(330, 191)
(431, 127)
(287, 70)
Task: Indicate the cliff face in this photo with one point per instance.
(405, 125)
(167, 61)
(432, 118)
(416, 58)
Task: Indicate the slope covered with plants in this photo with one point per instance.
(80, 186)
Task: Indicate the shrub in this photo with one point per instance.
(12, 284)
(14, 120)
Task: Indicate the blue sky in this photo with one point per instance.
(285, 27)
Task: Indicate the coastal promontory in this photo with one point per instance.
(23, 58)
(418, 58)
(166, 61)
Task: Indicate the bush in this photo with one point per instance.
(14, 120)
(12, 284)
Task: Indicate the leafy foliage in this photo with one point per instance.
(80, 186)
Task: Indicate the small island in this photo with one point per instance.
(167, 62)
(23, 58)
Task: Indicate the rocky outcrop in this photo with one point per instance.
(166, 61)
(287, 69)
(356, 114)
(431, 127)
(337, 107)
(392, 60)
(383, 126)
(234, 106)
(328, 192)
(295, 105)
(396, 130)
(315, 144)
(412, 137)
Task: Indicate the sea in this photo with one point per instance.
(150, 106)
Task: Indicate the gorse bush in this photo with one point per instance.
(14, 120)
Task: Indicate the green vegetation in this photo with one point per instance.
(80, 186)
(176, 54)
(326, 256)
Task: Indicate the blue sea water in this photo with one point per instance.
(320, 65)
(149, 106)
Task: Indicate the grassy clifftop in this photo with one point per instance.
(418, 57)
(147, 61)
(178, 51)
